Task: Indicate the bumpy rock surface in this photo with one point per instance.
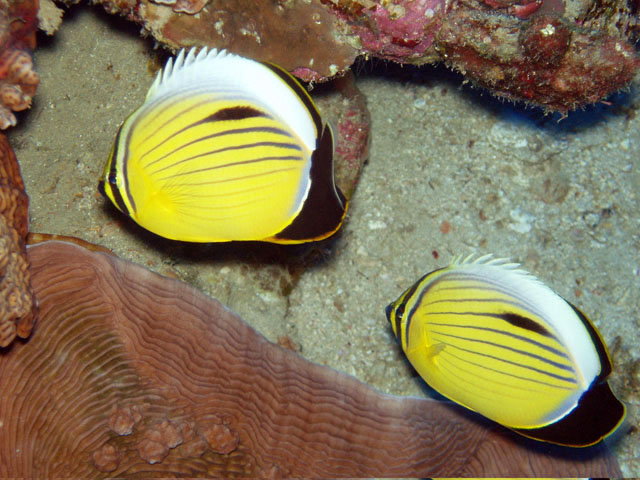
(17, 302)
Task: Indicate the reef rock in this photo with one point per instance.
(546, 58)
(559, 54)
(18, 79)
(17, 302)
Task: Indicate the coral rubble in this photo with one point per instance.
(49, 17)
(18, 79)
(132, 373)
(17, 301)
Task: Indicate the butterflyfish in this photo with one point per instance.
(226, 148)
(493, 338)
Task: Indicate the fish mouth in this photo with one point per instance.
(387, 311)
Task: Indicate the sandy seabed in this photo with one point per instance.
(451, 171)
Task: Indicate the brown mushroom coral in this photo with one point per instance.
(300, 36)
(17, 303)
(131, 373)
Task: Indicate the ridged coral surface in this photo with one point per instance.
(131, 373)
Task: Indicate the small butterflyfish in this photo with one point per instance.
(493, 338)
(226, 148)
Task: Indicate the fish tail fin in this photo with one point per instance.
(325, 205)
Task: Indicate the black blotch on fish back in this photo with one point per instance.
(234, 113)
(524, 322)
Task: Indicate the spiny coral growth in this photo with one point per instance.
(18, 79)
(545, 60)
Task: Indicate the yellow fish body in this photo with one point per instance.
(493, 338)
(226, 148)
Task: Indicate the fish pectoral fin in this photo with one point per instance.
(434, 349)
(163, 202)
(426, 350)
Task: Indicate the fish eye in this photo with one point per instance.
(112, 177)
(400, 312)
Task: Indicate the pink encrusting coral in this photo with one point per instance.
(399, 31)
(18, 79)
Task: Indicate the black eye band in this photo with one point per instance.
(101, 188)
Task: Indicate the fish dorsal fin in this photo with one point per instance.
(509, 272)
(177, 73)
(245, 80)
(542, 300)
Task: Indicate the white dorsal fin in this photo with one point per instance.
(550, 306)
(504, 269)
(241, 78)
(184, 69)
